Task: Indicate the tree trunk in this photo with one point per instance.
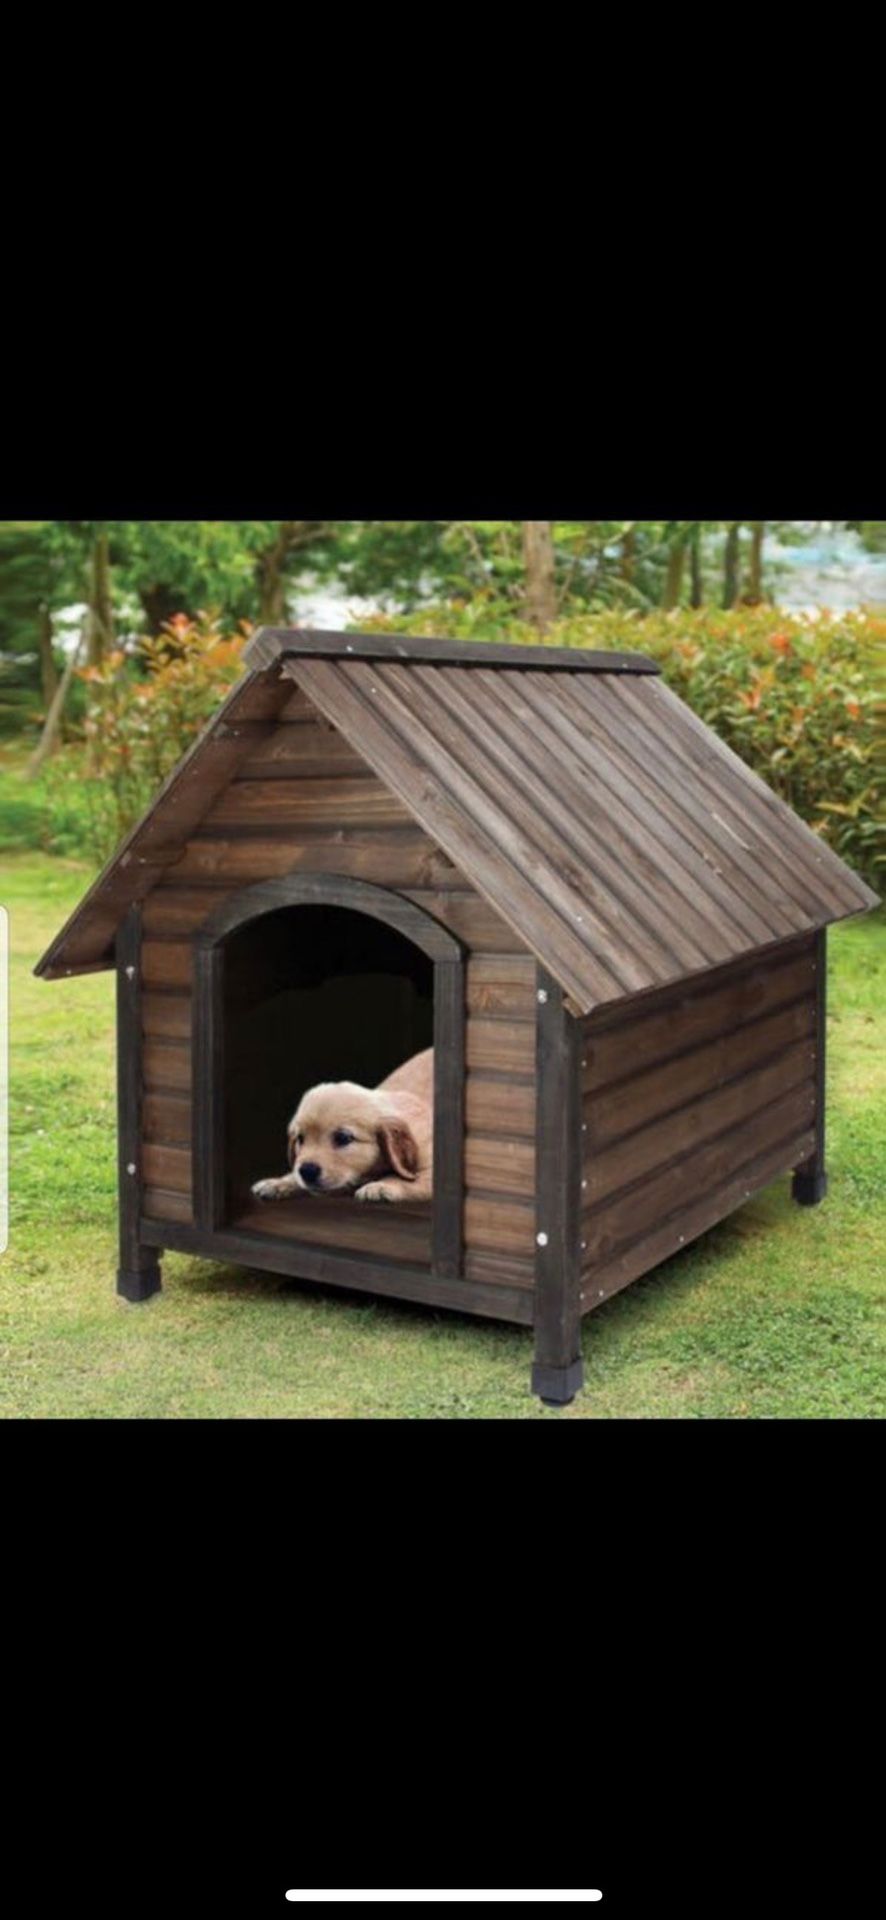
(730, 574)
(48, 668)
(541, 592)
(101, 605)
(628, 555)
(271, 574)
(696, 594)
(160, 604)
(49, 737)
(754, 593)
(674, 575)
(270, 569)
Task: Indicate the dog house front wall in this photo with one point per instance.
(306, 803)
(693, 1099)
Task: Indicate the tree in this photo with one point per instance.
(100, 600)
(243, 570)
(730, 565)
(696, 591)
(541, 588)
(677, 536)
(40, 572)
(754, 593)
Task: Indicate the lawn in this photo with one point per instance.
(779, 1312)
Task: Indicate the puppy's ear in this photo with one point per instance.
(399, 1147)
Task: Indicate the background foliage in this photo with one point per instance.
(162, 609)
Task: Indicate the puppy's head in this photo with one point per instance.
(343, 1135)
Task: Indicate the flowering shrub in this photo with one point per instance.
(142, 712)
(797, 696)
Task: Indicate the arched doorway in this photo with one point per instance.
(311, 978)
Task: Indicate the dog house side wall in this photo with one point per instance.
(306, 803)
(692, 1099)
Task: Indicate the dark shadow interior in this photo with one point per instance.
(311, 993)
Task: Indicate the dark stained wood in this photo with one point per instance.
(740, 888)
(812, 881)
(557, 1367)
(88, 936)
(138, 1275)
(167, 1166)
(843, 890)
(606, 848)
(271, 644)
(810, 1179)
(167, 964)
(330, 889)
(497, 1225)
(624, 1217)
(689, 1015)
(166, 1065)
(504, 1270)
(396, 1281)
(167, 1016)
(447, 1257)
(500, 1106)
(164, 1207)
(166, 1120)
(471, 829)
(502, 986)
(634, 1103)
(501, 1166)
(630, 782)
(303, 751)
(599, 1283)
(470, 918)
(638, 1154)
(350, 1226)
(585, 866)
(400, 857)
(290, 803)
(207, 1099)
(506, 1046)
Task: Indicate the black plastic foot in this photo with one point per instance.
(139, 1285)
(809, 1188)
(557, 1386)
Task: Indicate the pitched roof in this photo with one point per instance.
(612, 830)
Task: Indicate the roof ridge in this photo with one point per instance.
(271, 644)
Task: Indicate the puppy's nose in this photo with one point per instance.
(309, 1172)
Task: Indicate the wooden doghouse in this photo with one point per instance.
(542, 863)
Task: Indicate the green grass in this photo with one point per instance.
(779, 1312)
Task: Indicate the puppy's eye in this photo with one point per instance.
(299, 1139)
(341, 1137)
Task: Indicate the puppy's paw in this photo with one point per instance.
(271, 1189)
(375, 1190)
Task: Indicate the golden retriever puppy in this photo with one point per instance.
(376, 1143)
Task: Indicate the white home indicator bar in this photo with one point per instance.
(593, 1894)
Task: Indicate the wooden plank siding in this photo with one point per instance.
(692, 1101)
(303, 802)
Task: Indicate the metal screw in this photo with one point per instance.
(542, 997)
(541, 1239)
(584, 1246)
(600, 1295)
(131, 1167)
(130, 973)
(584, 1186)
